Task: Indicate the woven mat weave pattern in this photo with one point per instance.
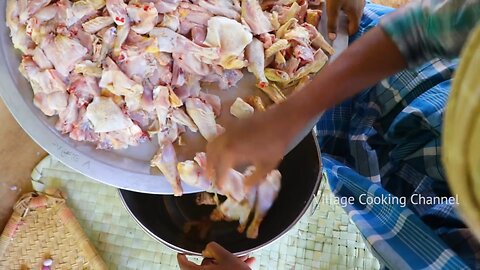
(323, 239)
(43, 227)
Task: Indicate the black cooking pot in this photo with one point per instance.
(165, 217)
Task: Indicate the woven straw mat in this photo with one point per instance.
(42, 227)
(323, 239)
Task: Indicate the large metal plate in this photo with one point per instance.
(126, 169)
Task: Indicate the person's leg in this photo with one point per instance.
(334, 125)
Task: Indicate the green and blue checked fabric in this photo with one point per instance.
(386, 141)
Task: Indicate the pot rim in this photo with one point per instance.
(259, 247)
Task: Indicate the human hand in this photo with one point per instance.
(352, 8)
(216, 258)
(261, 140)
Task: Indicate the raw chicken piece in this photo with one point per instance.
(169, 41)
(277, 75)
(201, 159)
(96, 24)
(122, 32)
(267, 39)
(51, 103)
(256, 60)
(279, 45)
(224, 78)
(298, 34)
(191, 87)
(180, 117)
(121, 139)
(86, 40)
(117, 82)
(317, 40)
(304, 53)
(178, 76)
(41, 59)
(106, 116)
(139, 65)
(291, 66)
(286, 27)
(46, 13)
(191, 15)
(233, 187)
(255, 18)
(67, 117)
(170, 21)
(69, 14)
(46, 81)
(88, 68)
(144, 17)
(63, 52)
(231, 37)
(169, 133)
(231, 210)
(82, 128)
(320, 59)
(166, 161)
(31, 8)
(241, 109)
(21, 40)
(96, 4)
(165, 100)
(118, 11)
(225, 8)
(84, 88)
(163, 6)
(280, 60)
(191, 173)
(268, 4)
(256, 102)
(161, 101)
(313, 17)
(12, 14)
(203, 116)
(212, 100)
(108, 41)
(273, 92)
(297, 10)
(267, 193)
(199, 34)
(190, 63)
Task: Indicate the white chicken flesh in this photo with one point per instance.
(117, 73)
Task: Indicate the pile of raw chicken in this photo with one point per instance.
(118, 73)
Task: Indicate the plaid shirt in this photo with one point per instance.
(386, 142)
(427, 29)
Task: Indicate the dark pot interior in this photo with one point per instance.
(164, 216)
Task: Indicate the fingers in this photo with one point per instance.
(217, 252)
(333, 9)
(185, 264)
(212, 159)
(250, 261)
(354, 15)
(219, 161)
(207, 261)
(260, 173)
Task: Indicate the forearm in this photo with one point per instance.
(369, 60)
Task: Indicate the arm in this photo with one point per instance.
(363, 64)
(265, 138)
(419, 32)
(410, 36)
